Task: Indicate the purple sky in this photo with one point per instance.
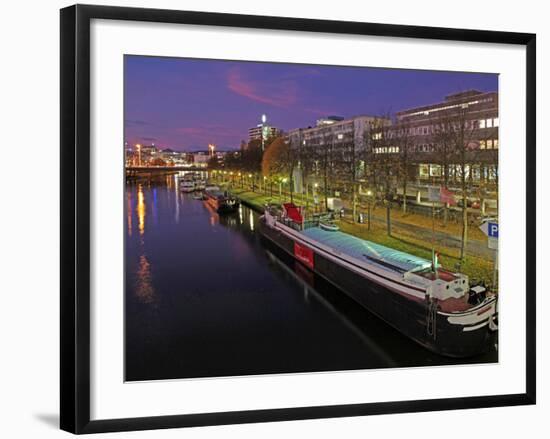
(184, 104)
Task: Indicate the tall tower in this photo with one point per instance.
(264, 119)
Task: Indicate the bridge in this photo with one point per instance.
(134, 172)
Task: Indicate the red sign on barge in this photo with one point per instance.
(303, 254)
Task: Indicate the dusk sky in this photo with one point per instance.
(184, 104)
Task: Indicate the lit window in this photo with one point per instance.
(340, 136)
(489, 123)
(489, 144)
(482, 123)
(495, 143)
(482, 144)
(495, 122)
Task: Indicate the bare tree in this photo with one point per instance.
(401, 135)
(384, 160)
(488, 143)
(462, 130)
(444, 147)
(324, 159)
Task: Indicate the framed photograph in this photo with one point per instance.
(268, 218)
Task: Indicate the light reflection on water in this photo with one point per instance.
(144, 285)
(129, 212)
(144, 288)
(141, 210)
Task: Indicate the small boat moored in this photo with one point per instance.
(222, 202)
(187, 186)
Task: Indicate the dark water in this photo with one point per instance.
(206, 296)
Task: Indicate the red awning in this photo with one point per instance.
(293, 212)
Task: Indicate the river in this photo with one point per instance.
(206, 296)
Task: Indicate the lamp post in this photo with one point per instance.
(315, 196)
(284, 180)
(369, 195)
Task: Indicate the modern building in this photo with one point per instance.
(339, 133)
(340, 138)
(421, 141)
(474, 112)
(255, 133)
(201, 158)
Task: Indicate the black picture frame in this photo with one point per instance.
(75, 217)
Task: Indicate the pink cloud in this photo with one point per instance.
(282, 94)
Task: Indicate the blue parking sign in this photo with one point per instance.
(492, 230)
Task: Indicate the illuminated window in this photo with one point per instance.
(340, 136)
(482, 123)
(482, 144)
(489, 123)
(495, 122)
(489, 144)
(495, 143)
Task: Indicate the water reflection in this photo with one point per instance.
(177, 200)
(141, 210)
(307, 279)
(251, 220)
(214, 216)
(154, 205)
(144, 286)
(129, 212)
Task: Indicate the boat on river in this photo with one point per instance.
(436, 308)
(187, 186)
(222, 202)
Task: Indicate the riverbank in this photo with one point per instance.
(409, 240)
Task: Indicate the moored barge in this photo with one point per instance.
(220, 201)
(434, 307)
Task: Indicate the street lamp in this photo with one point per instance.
(369, 195)
(315, 196)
